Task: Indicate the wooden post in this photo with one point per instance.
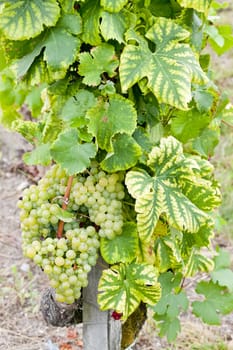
(100, 331)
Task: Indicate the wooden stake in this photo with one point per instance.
(100, 331)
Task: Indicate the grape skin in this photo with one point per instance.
(95, 200)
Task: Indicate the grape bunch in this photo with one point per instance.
(67, 261)
(95, 205)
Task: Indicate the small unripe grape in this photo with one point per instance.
(70, 254)
(63, 277)
(65, 285)
(48, 269)
(73, 279)
(37, 259)
(69, 299)
(61, 243)
(68, 292)
(59, 252)
(60, 298)
(30, 252)
(59, 261)
(57, 270)
(50, 248)
(36, 245)
(54, 283)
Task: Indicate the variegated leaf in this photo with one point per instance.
(113, 26)
(198, 263)
(159, 198)
(90, 13)
(202, 194)
(167, 254)
(123, 287)
(169, 70)
(59, 48)
(199, 5)
(170, 191)
(113, 5)
(25, 19)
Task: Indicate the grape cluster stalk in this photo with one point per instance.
(94, 210)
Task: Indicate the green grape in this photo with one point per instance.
(48, 269)
(70, 254)
(30, 252)
(95, 202)
(59, 261)
(73, 279)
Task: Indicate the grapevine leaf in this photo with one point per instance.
(170, 305)
(224, 277)
(199, 239)
(37, 73)
(146, 252)
(71, 22)
(202, 194)
(29, 130)
(75, 108)
(33, 100)
(214, 34)
(113, 26)
(142, 138)
(162, 193)
(123, 287)
(40, 155)
(169, 327)
(222, 260)
(206, 142)
(225, 31)
(122, 248)
(126, 153)
(167, 254)
(169, 70)
(64, 215)
(222, 274)
(61, 49)
(188, 125)
(71, 154)
(218, 301)
(113, 5)
(90, 13)
(199, 5)
(24, 19)
(52, 127)
(196, 263)
(109, 118)
(101, 59)
(22, 65)
(107, 88)
(204, 99)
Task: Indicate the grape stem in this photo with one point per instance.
(64, 206)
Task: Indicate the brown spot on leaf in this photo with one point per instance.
(105, 119)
